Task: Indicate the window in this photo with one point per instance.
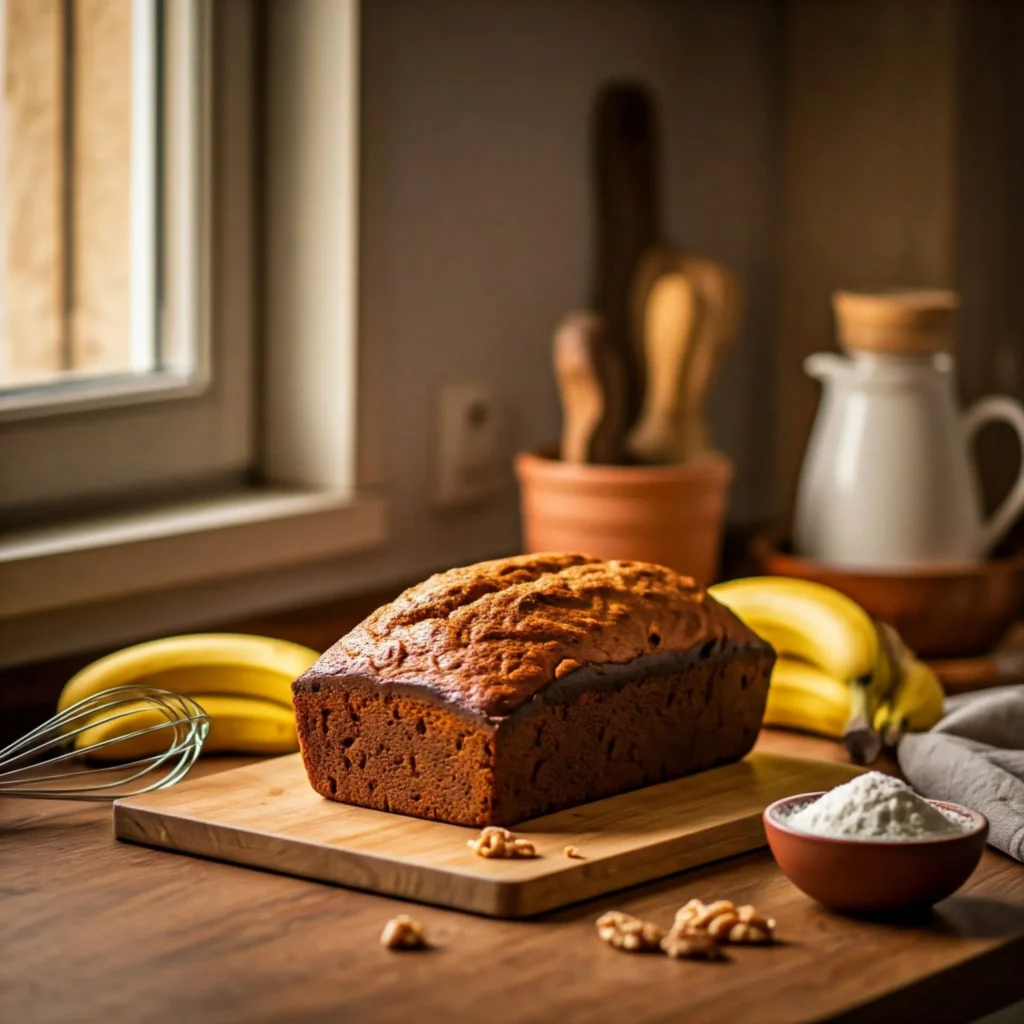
(125, 177)
(134, 497)
(80, 132)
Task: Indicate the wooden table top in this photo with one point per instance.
(93, 930)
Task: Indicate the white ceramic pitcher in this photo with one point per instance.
(888, 479)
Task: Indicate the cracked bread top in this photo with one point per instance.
(492, 636)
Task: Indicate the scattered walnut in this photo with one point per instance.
(697, 946)
(573, 853)
(723, 921)
(628, 933)
(695, 915)
(499, 842)
(403, 932)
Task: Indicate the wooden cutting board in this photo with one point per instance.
(266, 816)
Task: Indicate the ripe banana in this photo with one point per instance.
(807, 620)
(238, 725)
(802, 696)
(229, 664)
(828, 631)
(917, 701)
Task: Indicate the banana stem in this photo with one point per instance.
(861, 740)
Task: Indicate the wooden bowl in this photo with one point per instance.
(939, 612)
(872, 876)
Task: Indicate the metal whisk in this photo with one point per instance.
(24, 764)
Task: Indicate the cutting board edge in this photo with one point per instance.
(489, 897)
(181, 828)
(511, 899)
(502, 895)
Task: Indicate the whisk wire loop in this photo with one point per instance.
(54, 743)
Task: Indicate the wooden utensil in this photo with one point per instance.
(591, 387)
(625, 153)
(671, 318)
(266, 816)
(720, 296)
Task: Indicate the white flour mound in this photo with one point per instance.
(875, 806)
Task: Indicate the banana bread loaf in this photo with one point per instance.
(501, 691)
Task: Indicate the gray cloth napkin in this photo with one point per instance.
(975, 757)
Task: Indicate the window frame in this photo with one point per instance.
(65, 445)
(254, 547)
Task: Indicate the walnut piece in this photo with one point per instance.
(628, 933)
(723, 921)
(695, 946)
(573, 853)
(499, 842)
(403, 932)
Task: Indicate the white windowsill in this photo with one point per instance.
(58, 567)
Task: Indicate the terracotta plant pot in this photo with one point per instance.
(671, 515)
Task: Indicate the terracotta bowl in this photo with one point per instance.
(940, 612)
(671, 515)
(865, 876)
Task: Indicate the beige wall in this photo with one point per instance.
(868, 141)
(901, 143)
(810, 145)
(476, 224)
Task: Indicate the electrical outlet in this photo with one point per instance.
(468, 466)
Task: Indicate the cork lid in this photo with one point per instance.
(898, 321)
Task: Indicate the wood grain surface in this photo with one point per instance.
(267, 816)
(93, 929)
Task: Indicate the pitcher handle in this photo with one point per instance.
(988, 410)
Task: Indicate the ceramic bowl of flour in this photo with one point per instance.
(894, 854)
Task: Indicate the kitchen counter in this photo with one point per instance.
(96, 930)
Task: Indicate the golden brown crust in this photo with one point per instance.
(491, 636)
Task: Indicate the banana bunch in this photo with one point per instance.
(837, 674)
(242, 682)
